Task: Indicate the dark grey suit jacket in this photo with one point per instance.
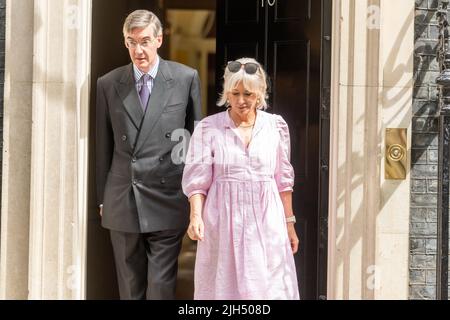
(137, 182)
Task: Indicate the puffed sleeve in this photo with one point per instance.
(198, 170)
(284, 172)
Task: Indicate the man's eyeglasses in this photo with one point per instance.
(249, 67)
(133, 44)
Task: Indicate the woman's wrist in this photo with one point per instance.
(290, 219)
(195, 215)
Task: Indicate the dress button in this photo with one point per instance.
(124, 138)
(161, 159)
(135, 182)
(133, 159)
(168, 135)
(163, 181)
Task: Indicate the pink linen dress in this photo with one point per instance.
(246, 252)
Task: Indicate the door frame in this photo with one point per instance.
(324, 155)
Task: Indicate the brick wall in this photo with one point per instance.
(424, 164)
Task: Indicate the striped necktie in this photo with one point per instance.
(144, 94)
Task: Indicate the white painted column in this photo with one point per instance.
(397, 60)
(59, 149)
(373, 45)
(15, 210)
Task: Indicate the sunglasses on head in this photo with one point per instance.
(249, 67)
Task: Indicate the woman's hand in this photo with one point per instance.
(196, 227)
(293, 239)
(195, 230)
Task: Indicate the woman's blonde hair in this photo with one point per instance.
(255, 83)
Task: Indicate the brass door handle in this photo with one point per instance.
(396, 152)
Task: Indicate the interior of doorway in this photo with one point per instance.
(190, 35)
(189, 38)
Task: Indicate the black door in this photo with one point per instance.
(286, 37)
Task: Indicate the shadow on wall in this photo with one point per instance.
(368, 166)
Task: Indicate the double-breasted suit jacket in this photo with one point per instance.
(137, 182)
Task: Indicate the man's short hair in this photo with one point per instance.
(142, 19)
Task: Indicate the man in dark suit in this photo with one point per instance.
(138, 183)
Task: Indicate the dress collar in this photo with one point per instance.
(229, 123)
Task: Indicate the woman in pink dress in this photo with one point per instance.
(239, 181)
